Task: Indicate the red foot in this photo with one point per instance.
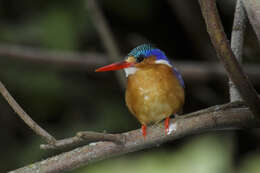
(166, 125)
(144, 130)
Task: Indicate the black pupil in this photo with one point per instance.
(140, 58)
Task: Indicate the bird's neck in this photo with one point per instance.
(133, 70)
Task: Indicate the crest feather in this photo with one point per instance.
(143, 49)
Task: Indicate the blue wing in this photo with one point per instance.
(178, 75)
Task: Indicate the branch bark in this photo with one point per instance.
(224, 117)
(225, 54)
(237, 42)
(85, 137)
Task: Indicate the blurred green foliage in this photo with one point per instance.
(251, 163)
(58, 30)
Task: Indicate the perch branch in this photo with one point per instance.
(225, 117)
(237, 42)
(225, 54)
(24, 116)
(106, 36)
(85, 137)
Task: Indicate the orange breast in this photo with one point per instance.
(154, 93)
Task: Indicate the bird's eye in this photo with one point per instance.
(140, 58)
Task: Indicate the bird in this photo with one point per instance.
(155, 89)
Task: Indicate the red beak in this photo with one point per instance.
(115, 66)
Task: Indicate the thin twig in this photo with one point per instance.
(64, 143)
(194, 71)
(106, 36)
(25, 117)
(205, 71)
(225, 117)
(83, 138)
(202, 71)
(237, 42)
(225, 54)
(52, 142)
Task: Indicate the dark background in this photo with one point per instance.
(67, 100)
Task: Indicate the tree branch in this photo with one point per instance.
(25, 117)
(225, 117)
(253, 12)
(205, 71)
(202, 71)
(237, 42)
(85, 137)
(52, 142)
(225, 54)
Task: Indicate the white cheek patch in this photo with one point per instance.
(162, 61)
(130, 70)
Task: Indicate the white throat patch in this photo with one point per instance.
(130, 70)
(162, 61)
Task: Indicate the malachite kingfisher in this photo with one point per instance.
(155, 88)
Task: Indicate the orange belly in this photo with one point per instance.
(154, 93)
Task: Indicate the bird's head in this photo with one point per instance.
(138, 58)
